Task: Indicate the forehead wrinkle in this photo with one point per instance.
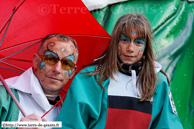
(56, 45)
(68, 53)
(63, 55)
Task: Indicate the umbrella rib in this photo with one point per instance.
(41, 38)
(89, 35)
(11, 69)
(19, 51)
(7, 27)
(19, 45)
(16, 8)
(12, 66)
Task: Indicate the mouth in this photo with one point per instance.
(54, 78)
(129, 57)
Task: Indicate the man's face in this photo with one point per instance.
(53, 77)
(130, 49)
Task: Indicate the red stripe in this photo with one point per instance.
(127, 119)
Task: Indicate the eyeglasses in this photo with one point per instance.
(52, 60)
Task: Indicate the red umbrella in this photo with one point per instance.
(34, 19)
(24, 22)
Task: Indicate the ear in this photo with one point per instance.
(74, 71)
(35, 61)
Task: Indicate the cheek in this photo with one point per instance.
(40, 72)
(67, 73)
(140, 53)
(44, 69)
(65, 76)
(141, 50)
(119, 44)
(70, 72)
(119, 48)
(42, 65)
(119, 51)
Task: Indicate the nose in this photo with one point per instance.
(57, 67)
(130, 47)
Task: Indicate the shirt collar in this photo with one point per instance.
(28, 83)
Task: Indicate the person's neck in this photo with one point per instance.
(52, 98)
(126, 68)
(51, 95)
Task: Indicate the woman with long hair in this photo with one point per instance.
(124, 88)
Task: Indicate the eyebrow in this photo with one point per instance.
(122, 35)
(70, 57)
(125, 37)
(48, 52)
(140, 39)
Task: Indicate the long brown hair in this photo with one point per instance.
(107, 65)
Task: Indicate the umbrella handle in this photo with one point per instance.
(12, 95)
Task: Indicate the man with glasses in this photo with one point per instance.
(38, 88)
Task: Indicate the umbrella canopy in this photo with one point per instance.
(34, 19)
